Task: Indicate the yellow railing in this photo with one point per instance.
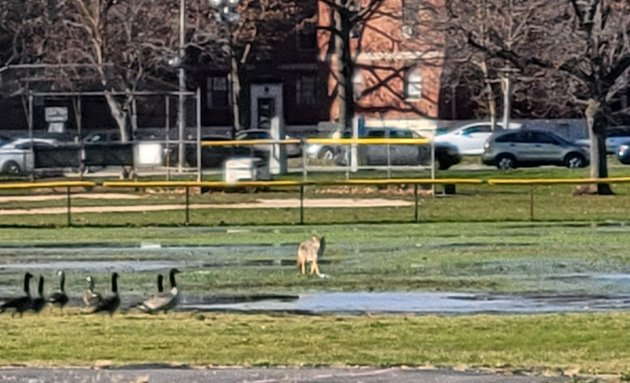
(557, 181)
(330, 141)
(68, 185)
(43, 185)
(302, 184)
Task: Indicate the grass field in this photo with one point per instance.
(479, 240)
(495, 257)
(585, 344)
(507, 257)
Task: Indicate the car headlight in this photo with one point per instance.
(623, 148)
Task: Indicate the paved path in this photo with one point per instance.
(261, 375)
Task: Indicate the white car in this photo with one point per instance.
(16, 157)
(614, 138)
(469, 139)
(292, 150)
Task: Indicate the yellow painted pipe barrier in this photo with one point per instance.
(42, 185)
(221, 184)
(369, 141)
(330, 141)
(557, 181)
(56, 184)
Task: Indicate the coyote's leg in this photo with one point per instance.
(314, 268)
(301, 265)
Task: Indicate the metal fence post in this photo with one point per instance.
(415, 196)
(531, 202)
(69, 207)
(304, 159)
(301, 204)
(187, 206)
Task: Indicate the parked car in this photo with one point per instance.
(4, 140)
(101, 137)
(293, 150)
(213, 156)
(532, 147)
(16, 156)
(325, 152)
(614, 138)
(469, 139)
(623, 153)
(446, 154)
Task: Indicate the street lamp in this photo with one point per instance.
(227, 12)
(181, 105)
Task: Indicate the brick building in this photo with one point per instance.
(398, 65)
(397, 79)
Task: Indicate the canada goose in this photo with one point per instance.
(37, 304)
(110, 303)
(160, 284)
(20, 304)
(163, 301)
(90, 298)
(59, 298)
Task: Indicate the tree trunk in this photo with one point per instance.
(597, 134)
(492, 104)
(506, 88)
(119, 115)
(345, 67)
(235, 89)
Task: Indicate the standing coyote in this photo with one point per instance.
(309, 251)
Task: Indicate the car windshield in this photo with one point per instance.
(253, 135)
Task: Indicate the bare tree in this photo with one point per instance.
(348, 18)
(118, 39)
(587, 42)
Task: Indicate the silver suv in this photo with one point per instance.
(531, 147)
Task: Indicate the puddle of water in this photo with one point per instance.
(422, 303)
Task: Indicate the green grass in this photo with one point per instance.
(592, 343)
(471, 257)
(470, 204)
(476, 255)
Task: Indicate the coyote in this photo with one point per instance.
(309, 251)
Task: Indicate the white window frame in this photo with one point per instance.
(413, 84)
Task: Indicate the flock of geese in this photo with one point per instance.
(94, 302)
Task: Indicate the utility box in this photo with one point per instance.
(250, 169)
(148, 154)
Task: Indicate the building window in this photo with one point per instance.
(413, 84)
(307, 38)
(358, 85)
(217, 92)
(410, 17)
(306, 90)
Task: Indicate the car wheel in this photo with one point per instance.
(574, 160)
(12, 167)
(326, 153)
(442, 165)
(505, 162)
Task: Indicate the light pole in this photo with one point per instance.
(227, 12)
(181, 106)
